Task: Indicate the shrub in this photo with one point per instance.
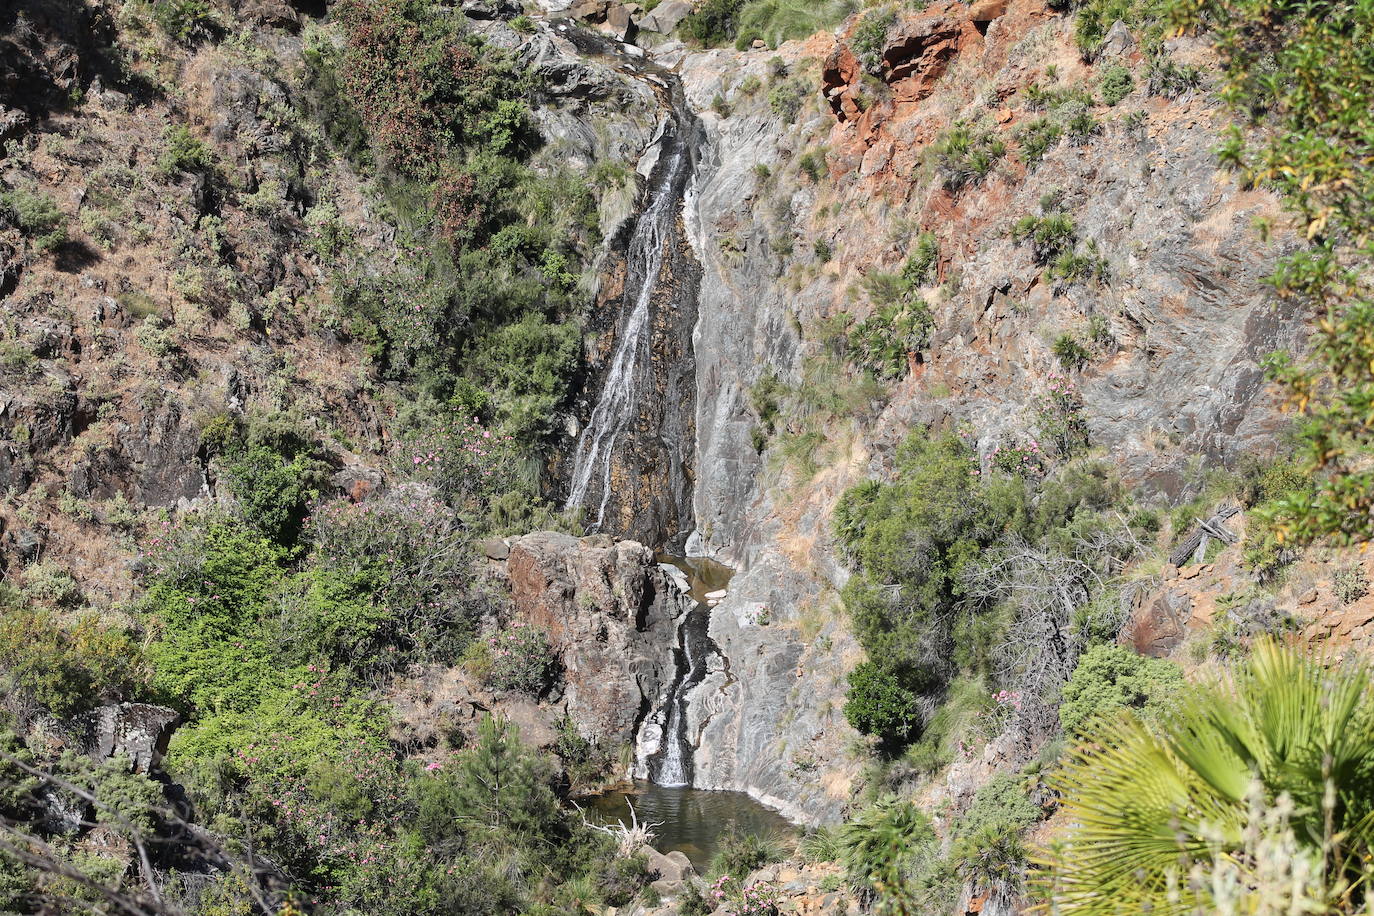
(880, 843)
(966, 154)
(870, 37)
(274, 491)
(1116, 84)
(522, 661)
(1001, 806)
(1036, 138)
(1080, 126)
(65, 667)
(1350, 583)
(786, 97)
(715, 22)
(1071, 354)
(183, 152)
(742, 853)
(1070, 267)
(1164, 77)
(1049, 235)
(37, 216)
(523, 24)
(925, 258)
(186, 21)
(884, 341)
(1109, 678)
(877, 704)
(812, 163)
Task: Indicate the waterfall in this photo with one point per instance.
(672, 765)
(624, 383)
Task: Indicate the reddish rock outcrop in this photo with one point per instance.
(609, 612)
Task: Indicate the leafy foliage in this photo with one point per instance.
(37, 215)
(1300, 79)
(877, 704)
(965, 154)
(1110, 678)
(1145, 804)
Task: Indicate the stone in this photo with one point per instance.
(618, 24)
(672, 866)
(1308, 597)
(138, 730)
(1157, 627)
(609, 614)
(987, 10)
(666, 16)
(590, 10)
(495, 549)
(1117, 42)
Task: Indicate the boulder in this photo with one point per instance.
(618, 22)
(673, 867)
(139, 731)
(987, 10)
(1157, 627)
(666, 16)
(609, 614)
(1117, 42)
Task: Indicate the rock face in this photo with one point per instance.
(1183, 313)
(610, 614)
(139, 731)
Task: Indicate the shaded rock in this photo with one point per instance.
(138, 730)
(1117, 42)
(1158, 626)
(618, 22)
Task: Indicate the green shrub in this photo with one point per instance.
(881, 843)
(1036, 138)
(1164, 77)
(812, 163)
(522, 24)
(966, 154)
(1071, 354)
(870, 38)
(1071, 267)
(1116, 84)
(1109, 678)
(786, 97)
(1001, 806)
(742, 853)
(65, 666)
(274, 492)
(715, 22)
(37, 216)
(186, 20)
(1050, 235)
(1080, 126)
(883, 342)
(183, 152)
(776, 21)
(877, 704)
(920, 268)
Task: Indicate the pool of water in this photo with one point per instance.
(692, 821)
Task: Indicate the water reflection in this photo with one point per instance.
(693, 821)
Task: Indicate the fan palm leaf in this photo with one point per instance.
(1147, 804)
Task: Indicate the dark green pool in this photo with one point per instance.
(693, 821)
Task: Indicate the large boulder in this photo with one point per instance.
(609, 613)
(666, 16)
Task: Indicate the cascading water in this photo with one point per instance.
(624, 382)
(631, 466)
(672, 765)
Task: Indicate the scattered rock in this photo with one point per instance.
(495, 548)
(987, 10)
(1117, 42)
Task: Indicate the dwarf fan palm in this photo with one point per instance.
(1151, 806)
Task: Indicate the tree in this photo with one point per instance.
(878, 704)
(1151, 810)
(1302, 73)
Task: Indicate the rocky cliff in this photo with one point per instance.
(1173, 316)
